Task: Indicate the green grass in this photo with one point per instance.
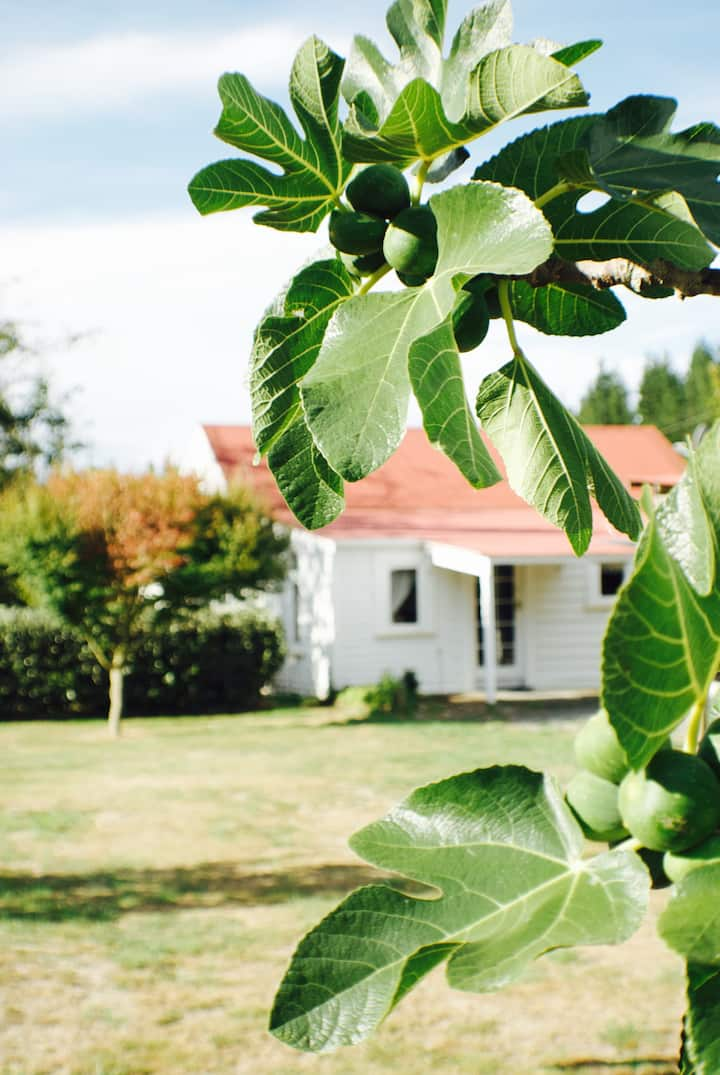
(152, 890)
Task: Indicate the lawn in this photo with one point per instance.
(152, 891)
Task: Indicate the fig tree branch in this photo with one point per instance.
(621, 272)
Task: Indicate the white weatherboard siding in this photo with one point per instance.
(337, 618)
(438, 649)
(565, 623)
(308, 617)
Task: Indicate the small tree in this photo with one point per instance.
(112, 553)
(606, 401)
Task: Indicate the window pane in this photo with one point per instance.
(506, 644)
(505, 614)
(611, 579)
(403, 596)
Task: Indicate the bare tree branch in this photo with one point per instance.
(641, 279)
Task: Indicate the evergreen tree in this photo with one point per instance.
(702, 388)
(662, 400)
(606, 401)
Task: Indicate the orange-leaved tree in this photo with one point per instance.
(114, 555)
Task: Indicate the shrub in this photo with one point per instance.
(208, 663)
(393, 696)
(45, 668)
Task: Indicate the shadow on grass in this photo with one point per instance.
(461, 710)
(639, 1066)
(105, 895)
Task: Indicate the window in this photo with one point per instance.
(403, 596)
(604, 579)
(611, 579)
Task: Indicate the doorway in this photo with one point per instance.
(507, 637)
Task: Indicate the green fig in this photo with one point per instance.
(673, 804)
(380, 189)
(411, 281)
(363, 264)
(470, 319)
(598, 749)
(410, 244)
(594, 802)
(356, 233)
(679, 864)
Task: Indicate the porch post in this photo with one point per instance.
(487, 611)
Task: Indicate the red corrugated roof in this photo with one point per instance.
(419, 493)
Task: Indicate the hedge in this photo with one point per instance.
(212, 663)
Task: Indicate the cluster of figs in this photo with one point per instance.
(384, 229)
(671, 808)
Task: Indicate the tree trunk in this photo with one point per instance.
(117, 675)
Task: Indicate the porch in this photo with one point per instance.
(538, 621)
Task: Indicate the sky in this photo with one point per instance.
(140, 310)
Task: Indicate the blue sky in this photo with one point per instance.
(106, 111)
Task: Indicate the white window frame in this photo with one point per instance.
(385, 564)
(595, 597)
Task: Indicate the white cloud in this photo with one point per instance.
(169, 304)
(115, 70)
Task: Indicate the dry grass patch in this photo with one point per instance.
(151, 892)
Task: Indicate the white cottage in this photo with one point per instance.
(471, 590)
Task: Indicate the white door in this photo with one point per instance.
(510, 668)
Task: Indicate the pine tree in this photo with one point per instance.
(702, 388)
(662, 400)
(606, 401)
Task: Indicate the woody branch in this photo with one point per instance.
(621, 272)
